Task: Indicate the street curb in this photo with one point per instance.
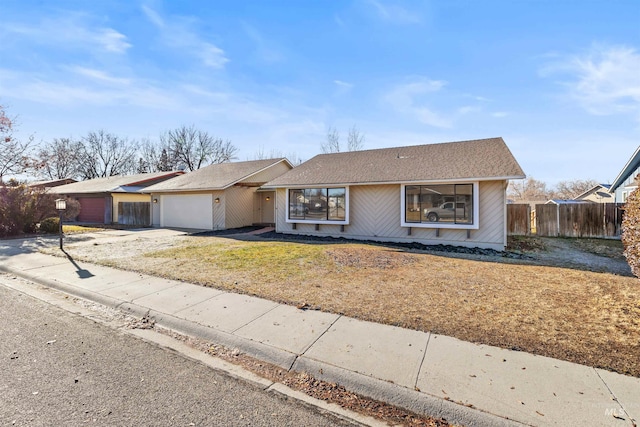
(256, 349)
(261, 351)
(415, 401)
(153, 337)
(384, 391)
(65, 287)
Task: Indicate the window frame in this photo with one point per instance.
(318, 221)
(476, 207)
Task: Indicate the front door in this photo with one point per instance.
(267, 207)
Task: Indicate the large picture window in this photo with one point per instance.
(317, 204)
(439, 204)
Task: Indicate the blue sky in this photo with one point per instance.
(559, 80)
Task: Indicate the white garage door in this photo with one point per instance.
(187, 211)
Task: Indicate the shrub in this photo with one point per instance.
(50, 225)
(21, 208)
(631, 231)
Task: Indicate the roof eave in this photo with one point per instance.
(183, 190)
(626, 171)
(222, 187)
(495, 178)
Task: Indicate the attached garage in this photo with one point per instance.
(217, 197)
(187, 211)
(92, 209)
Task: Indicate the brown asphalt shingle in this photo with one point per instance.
(465, 160)
(112, 183)
(214, 177)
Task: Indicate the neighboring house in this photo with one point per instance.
(100, 198)
(597, 194)
(625, 182)
(452, 193)
(51, 183)
(219, 196)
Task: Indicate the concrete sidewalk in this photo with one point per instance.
(465, 383)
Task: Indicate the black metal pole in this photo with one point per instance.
(60, 229)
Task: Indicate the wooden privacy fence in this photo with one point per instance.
(567, 220)
(518, 220)
(134, 213)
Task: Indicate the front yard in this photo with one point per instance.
(592, 318)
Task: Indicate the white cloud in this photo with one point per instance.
(499, 114)
(99, 75)
(59, 90)
(604, 81)
(71, 31)
(112, 41)
(180, 34)
(432, 118)
(393, 13)
(212, 56)
(153, 16)
(408, 98)
(468, 109)
(342, 84)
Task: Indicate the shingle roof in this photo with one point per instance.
(112, 184)
(52, 182)
(466, 160)
(215, 177)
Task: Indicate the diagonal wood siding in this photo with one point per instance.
(374, 211)
(375, 215)
(238, 206)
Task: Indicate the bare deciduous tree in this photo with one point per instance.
(529, 189)
(571, 189)
(103, 154)
(355, 141)
(332, 145)
(58, 159)
(155, 157)
(14, 153)
(196, 148)
(261, 154)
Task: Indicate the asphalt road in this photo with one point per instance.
(59, 368)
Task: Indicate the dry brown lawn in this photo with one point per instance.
(580, 316)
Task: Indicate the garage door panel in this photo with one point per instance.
(91, 209)
(187, 211)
